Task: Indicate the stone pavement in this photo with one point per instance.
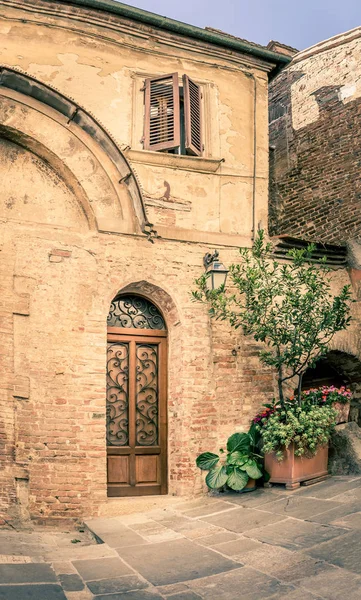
(270, 544)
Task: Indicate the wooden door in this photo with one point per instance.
(136, 412)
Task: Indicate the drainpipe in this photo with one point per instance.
(254, 152)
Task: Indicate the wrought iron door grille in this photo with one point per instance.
(118, 394)
(146, 432)
(134, 312)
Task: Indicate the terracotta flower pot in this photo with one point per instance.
(250, 487)
(343, 411)
(294, 469)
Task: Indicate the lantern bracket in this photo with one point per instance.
(210, 258)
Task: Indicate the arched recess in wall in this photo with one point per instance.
(339, 369)
(137, 357)
(66, 136)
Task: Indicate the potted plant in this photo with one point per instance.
(288, 306)
(338, 398)
(295, 440)
(237, 469)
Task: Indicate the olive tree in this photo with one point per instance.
(287, 305)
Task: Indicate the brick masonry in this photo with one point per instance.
(71, 239)
(315, 136)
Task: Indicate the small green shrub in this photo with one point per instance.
(233, 468)
(308, 426)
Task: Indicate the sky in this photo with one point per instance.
(297, 23)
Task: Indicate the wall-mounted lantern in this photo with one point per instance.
(215, 270)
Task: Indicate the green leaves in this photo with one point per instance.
(237, 479)
(309, 427)
(217, 477)
(287, 306)
(207, 460)
(240, 442)
(237, 458)
(234, 470)
(252, 470)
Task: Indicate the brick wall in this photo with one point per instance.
(315, 135)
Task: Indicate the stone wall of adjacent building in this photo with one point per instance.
(315, 138)
(315, 159)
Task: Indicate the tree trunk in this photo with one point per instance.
(280, 386)
(299, 389)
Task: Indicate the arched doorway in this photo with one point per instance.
(136, 398)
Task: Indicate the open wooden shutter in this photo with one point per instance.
(162, 113)
(192, 116)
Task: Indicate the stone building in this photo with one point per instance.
(130, 146)
(315, 187)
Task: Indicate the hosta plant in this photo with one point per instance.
(232, 468)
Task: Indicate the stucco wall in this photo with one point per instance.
(71, 239)
(103, 69)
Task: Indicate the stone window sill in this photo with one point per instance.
(174, 161)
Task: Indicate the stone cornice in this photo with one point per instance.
(179, 35)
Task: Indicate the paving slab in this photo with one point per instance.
(118, 585)
(185, 596)
(153, 532)
(353, 495)
(123, 536)
(63, 567)
(299, 506)
(302, 594)
(243, 583)
(211, 509)
(334, 584)
(80, 553)
(295, 534)
(269, 545)
(218, 538)
(342, 510)
(84, 594)
(27, 573)
(31, 592)
(170, 520)
(139, 595)
(330, 488)
(344, 552)
(194, 529)
(254, 499)
(286, 565)
(196, 503)
(174, 588)
(176, 561)
(71, 582)
(352, 521)
(101, 568)
(242, 519)
(236, 549)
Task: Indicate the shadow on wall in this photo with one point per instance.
(315, 185)
(341, 369)
(338, 369)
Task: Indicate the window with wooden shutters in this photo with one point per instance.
(162, 110)
(192, 116)
(173, 115)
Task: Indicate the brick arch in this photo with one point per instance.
(58, 130)
(177, 384)
(156, 294)
(338, 368)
